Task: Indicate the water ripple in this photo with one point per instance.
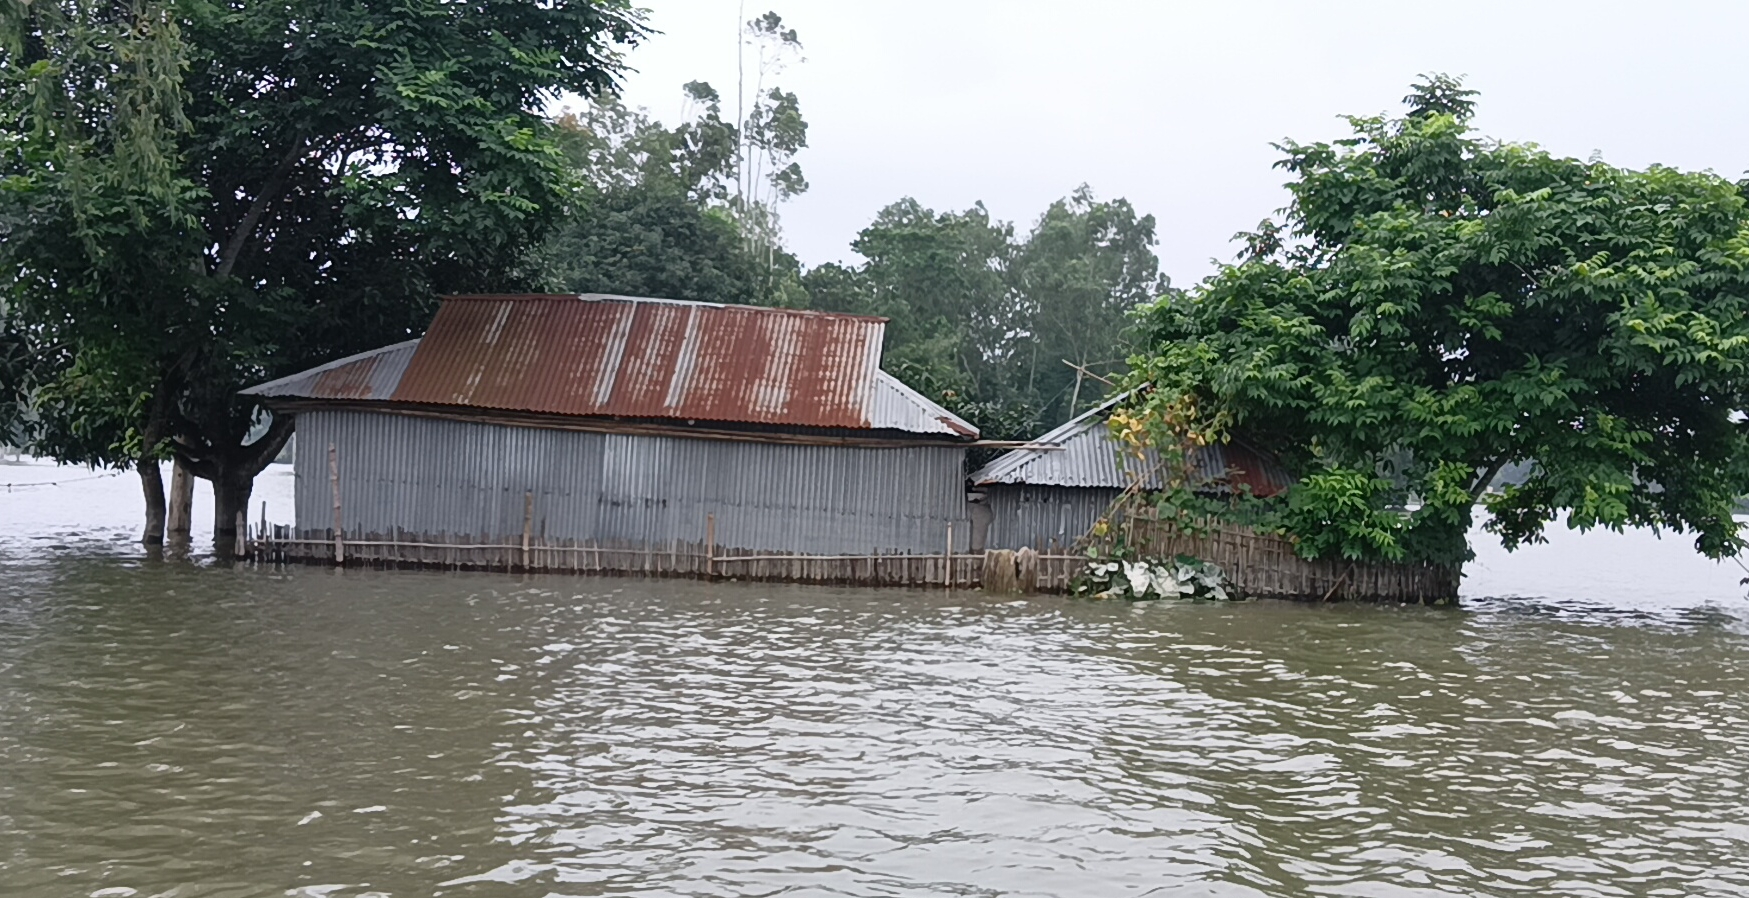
(182, 731)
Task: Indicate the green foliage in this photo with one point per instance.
(984, 321)
(649, 241)
(940, 278)
(1339, 512)
(1434, 306)
(1084, 267)
(688, 212)
(196, 202)
(1182, 577)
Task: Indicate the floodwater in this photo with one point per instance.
(1579, 727)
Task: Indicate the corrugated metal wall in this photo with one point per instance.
(428, 475)
(1042, 516)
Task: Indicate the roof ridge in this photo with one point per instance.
(616, 297)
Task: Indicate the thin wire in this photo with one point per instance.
(12, 486)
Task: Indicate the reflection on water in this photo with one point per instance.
(183, 730)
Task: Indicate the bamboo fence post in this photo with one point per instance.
(527, 525)
(947, 560)
(334, 485)
(710, 546)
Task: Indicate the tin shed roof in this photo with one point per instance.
(367, 375)
(648, 358)
(898, 407)
(643, 358)
(1085, 455)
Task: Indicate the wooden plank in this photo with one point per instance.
(527, 524)
(334, 484)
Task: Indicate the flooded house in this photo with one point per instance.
(673, 433)
(1047, 495)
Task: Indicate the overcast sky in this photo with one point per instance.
(1174, 105)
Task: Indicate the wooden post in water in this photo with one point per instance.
(527, 524)
(710, 546)
(177, 521)
(240, 546)
(334, 485)
(947, 560)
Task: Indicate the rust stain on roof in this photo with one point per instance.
(350, 381)
(1245, 465)
(628, 357)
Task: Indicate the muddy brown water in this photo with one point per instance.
(188, 729)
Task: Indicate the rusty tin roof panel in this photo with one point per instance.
(367, 375)
(648, 358)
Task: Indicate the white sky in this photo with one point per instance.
(1174, 104)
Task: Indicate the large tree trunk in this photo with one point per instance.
(233, 477)
(181, 518)
(230, 498)
(152, 484)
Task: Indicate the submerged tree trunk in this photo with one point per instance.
(152, 485)
(179, 523)
(230, 499)
(233, 477)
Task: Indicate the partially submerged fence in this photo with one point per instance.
(697, 560)
(1263, 565)
(1258, 565)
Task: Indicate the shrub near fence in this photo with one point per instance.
(1264, 565)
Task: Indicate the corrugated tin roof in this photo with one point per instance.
(367, 375)
(649, 358)
(898, 407)
(1088, 457)
(646, 358)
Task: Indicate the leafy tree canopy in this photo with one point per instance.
(1434, 305)
(984, 320)
(688, 212)
(201, 195)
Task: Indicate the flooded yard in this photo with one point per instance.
(189, 729)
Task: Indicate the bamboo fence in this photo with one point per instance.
(277, 544)
(1263, 565)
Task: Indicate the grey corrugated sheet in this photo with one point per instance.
(1042, 517)
(898, 407)
(367, 375)
(429, 475)
(1087, 456)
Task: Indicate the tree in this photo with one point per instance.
(984, 322)
(689, 211)
(203, 195)
(941, 279)
(1083, 269)
(771, 133)
(1433, 306)
(645, 240)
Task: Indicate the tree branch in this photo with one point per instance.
(257, 208)
(259, 454)
(1481, 487)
